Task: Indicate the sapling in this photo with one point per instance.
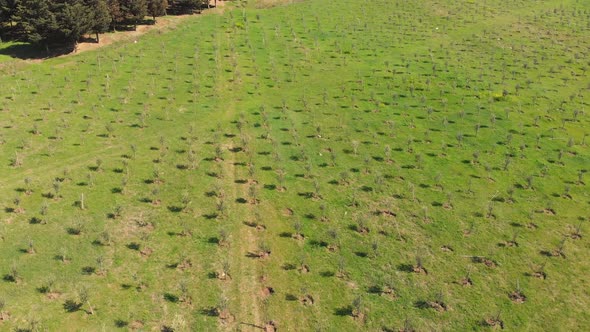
(510, 192)
(63, 255)
(185, 200)
(529, 182)
(101, 270)
(361, 226)
(419, 267)
(357, 307)
(517, 295)
(253, 194)
(218, 153)
(449, 201)
(507, 163)
(124, 182)
(17, 207)
(490, 209)
(419, 160)
(13, 274)
(90, 180)
(221, 206)
(459, 137)
(409, 143)
(281, 179)
(316, 188)
(17, 161)
(157, 176)
(31, 247)
(375, 247)
(494, 321)
(155, 193)
(522, 149)
(508, 139)
(297, 226)
(184, 292)
(379, 182)
(577, 232)
(35, 130)
(388, 154)
(355, 146)
(308, 168)
(475, 160)
(444, 147)
(84, 297)
(192, 160)
(341, 270)
(105, 238)
(560, 250)
(425, 217)
(513, 241)
(544, 171)
(408, 326)
(539, 271)
(28, 189)
(367, 161)
(110, 129)
(251, 170)
(333, 239)
(117, 212)
(566, 192)
(134, 150)
(344, 178)
(438, 182)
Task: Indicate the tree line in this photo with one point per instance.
(48, 22)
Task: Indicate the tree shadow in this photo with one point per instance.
(26, 51)
(344, 311)
(405, 268)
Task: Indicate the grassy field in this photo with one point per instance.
(326, 165)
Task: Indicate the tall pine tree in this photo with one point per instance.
(157, 8)
(101, 17)
(116, 13)
(74, 19)
(134, 10)
(38, 21)
(7, 11)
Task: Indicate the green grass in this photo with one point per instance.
(296, 89)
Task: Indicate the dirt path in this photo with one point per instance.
(53, 167)
(245, 287)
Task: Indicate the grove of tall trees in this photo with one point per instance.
(49, 22)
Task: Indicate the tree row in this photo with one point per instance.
(49, 22)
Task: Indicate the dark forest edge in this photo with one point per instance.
(55, 27)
